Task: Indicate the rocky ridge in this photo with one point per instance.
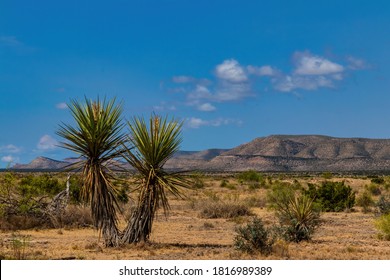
(287, 153)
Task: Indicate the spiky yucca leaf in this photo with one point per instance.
(154, 145)
(97, 137)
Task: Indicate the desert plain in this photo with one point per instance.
(192, 232)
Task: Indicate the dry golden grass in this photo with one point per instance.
(187, 235)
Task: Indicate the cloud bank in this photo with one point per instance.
(198, 122)
(235, 82)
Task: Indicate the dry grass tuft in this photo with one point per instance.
(222, 209)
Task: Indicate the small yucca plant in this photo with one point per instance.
(298, 218)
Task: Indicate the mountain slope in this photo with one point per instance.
(275, 153)
(306, 153)
(192, 160)
(42, 163)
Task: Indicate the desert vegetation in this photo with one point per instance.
(278, 220)
(98, 138)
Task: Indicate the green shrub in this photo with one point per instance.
(296, 185)
(383, 205)
(250, 176)
(327, 175)
(297, 217)
(122, 195)
(226, 184)
(254, 237)
(332, 196)
(19, 202)
(24, 200)
(280, 193)
(383, 225)
(19, 243)
(253, 179)
(198, 180)
(374, 189)
(365, 201)
(44, 184)
(378, 180)
(75, 187)
(255, 185)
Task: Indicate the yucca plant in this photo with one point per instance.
(154, 144)
(298, 218)
(98, 139)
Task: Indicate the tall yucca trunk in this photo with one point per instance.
(99, 192)
(140, 224)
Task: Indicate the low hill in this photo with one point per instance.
(287, 153)
(42, 163)
(192, 160)
(183, 160)
(306, 153)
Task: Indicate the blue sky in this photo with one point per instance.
(232, 70)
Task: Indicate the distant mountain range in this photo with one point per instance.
(45, 163)
(287, 153)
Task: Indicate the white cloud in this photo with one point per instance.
(291, 82)
(206, 107)
(10, 149)
(183, 79)
(62, 106)
(232, 84)
(223, 92)
(308, 64)
(200, 92)
(337, 77)
(178, 90)
(235, 82)
(265, 70)
(197, 122)
(231, 71)
(164, 107)
(232, 91)
(224, 121)
(47, 143)
(356, 63)
(311, 73)
(9, 159)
